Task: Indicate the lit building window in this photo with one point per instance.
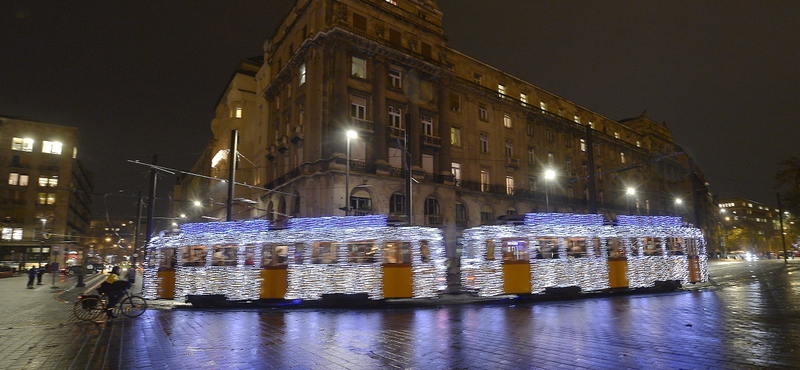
(583, 145)
(17, 179)
(509, 185)
(523, 98)
(501, 90)
(12, 233)
(507, 120)
(393, 2)
(51, 181)
(358, 67)
(577, 119)
(484, 180)
(531, 156)
(622, 157)
(395, 78)
(591, 124)
(455, 136)
(484, 143)
(551, 158)
(638, 143)
(302, 74)
(509, 149)
(456, 169)
(46, 198)
(238, 113)
(24, 145)
(543, 106)
(51, 147)
(616, 135)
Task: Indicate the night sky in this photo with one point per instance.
(143, 78)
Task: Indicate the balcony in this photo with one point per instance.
(434, 219)
(362, 125)
(396, 133)
(432, 141)
(512, 162)
(297, 134)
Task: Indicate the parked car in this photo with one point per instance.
(94, 268)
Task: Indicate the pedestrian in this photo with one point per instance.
(40, 273)
(31, 277)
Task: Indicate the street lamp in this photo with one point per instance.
(631, 192)
(549, 174)
(678, 202)
(350, 135)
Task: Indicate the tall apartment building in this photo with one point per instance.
(749, 226)
(46, 192)
(478, 140)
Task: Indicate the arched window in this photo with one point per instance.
(462, 218)
(270, 213)
(281, 214)
(487, 215)
(360, 202)
(397, 204)
(432, 213)
(511, 211)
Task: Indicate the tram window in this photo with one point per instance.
(194, 255)
(397, 252)
(324, 253)
(598, 247)
(168, 259)
(675, 246)
(651, 247)
(424, 251)
(691, 247)
(361, 252)
(249, 256)
(299, 249)
(224, 255)
(515, 250)
(548, 248)
(490, 250)
(274, 255)
(576, 247)
(636, 244)
(615, 248)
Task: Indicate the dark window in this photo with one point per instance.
(397, 203)
(426, 50)
(360, 22)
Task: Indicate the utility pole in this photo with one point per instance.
(151, 203)
(783, 236)
(232, 156)
(409, 192)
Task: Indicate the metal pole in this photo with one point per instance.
(408, 185)
(347, 181)
(592, 186)
(546, 196)
(151, 203)
(232, 157)
(783, 236)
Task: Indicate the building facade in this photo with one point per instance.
(476, 140)
(750, 226)
(46, 193)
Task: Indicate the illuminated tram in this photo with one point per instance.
(310, 258)
(557, 250)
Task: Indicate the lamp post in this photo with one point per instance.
(549, 174)
(41, 242)
(350, 135)
(678, 202)
(631, 192)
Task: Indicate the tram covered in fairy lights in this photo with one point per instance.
(557, 250)
(314, 257)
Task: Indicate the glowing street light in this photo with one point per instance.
(631, 192)
(549, 174)
(350, 135)
(678, 202)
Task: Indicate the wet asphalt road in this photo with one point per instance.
(746, 317)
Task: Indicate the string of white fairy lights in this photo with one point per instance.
(482, 264)
(307, 278)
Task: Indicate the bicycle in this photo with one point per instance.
(93, 307)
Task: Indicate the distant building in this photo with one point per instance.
(111, 241)
(46, 192)
(478, 139)
(749, 226)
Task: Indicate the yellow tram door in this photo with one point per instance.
(274, 273)
(694, 269)
(617, 264)
(166, 274)
(397, 276)
(516, 265)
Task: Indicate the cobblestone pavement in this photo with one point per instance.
(747, 317)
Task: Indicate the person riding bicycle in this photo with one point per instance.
(114, 288)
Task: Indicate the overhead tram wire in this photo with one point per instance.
(173, 171)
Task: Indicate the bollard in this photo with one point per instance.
(81, 273)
